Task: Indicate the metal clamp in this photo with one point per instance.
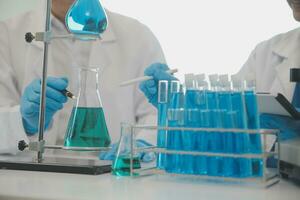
(47, 37)
(37, 146)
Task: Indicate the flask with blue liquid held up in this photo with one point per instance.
(86, 18)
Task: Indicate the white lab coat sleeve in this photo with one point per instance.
(145, 112)
(11, 127)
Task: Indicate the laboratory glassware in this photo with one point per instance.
(87, 125)
(243, 166)
(127, 157)
(175, 119)
(191, 119)
(201, 140)
(253, 123)
(163, 98)
(214, 139)
(229, 121)
(86, 17)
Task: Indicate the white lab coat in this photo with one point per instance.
(271, 61)
(126, 49)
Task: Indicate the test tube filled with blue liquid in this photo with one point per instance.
(175, 119)
(243, 166)
(253, 123)
(229, 121)
(191, 120)
(215, 138)
(201, 139)
(163, 91)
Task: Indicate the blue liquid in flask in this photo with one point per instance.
(86, 17)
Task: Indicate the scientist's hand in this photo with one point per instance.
(145, 157)
(150, 87)
(289, 128)
(30, 102)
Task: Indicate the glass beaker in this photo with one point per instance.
(86, 17)
(87, 125)
(126, 154)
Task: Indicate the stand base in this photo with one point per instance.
(60, 165)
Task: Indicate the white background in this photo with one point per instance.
(199, 36)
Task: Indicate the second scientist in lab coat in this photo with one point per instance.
(126, 49)
(271, 60)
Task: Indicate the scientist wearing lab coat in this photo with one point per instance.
(126, 49)
(269, 65)
(271, 60)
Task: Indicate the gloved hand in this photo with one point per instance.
(30, 102)
(144, 157)
(289, 128)
(150, 87)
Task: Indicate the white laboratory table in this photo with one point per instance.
(49, 186)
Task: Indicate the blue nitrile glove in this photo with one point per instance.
(150, 87)
(30, 102)
(289, 128)
(144, 157)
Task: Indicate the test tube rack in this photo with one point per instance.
(270, 176)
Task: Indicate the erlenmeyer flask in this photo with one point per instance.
(121, 164)
(87, 125)
(86, 17)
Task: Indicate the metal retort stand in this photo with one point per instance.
(41, 162)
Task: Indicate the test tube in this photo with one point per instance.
(253, 123)
(191, 119)
(201, 140)
(175, 119)
(229, 121)
(242, 166)
(215, 139)
(163, 93)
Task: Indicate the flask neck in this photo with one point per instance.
(89, 95)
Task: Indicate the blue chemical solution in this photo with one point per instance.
(86, 17)
(255, 139)
(174, 138)
(242, 166)
(191, 120)
(229, 121)
(162, 134)
(214, 139)
(202, 141)
(163, 97)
